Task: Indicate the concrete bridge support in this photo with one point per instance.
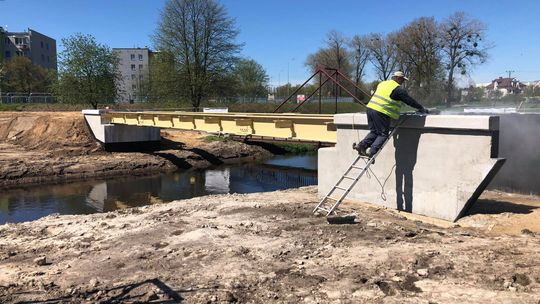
(434, 165)
(119, 136)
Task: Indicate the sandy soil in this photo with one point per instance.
(269, 248)
(55, 147)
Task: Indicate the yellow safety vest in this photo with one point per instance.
(381, 101)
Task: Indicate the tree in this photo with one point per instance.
(334, 55)
(382, 54)
(88, 71)
(473, 94)
(20, 75)
(251, 78)
(360, 55)
(463, 45)
(419, 56)
(201, 36)
(164, 79)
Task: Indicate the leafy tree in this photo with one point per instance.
(164, 81)
(201, 36)
(474, 94)
(20, 75)
(383, 54)
(419, 56)
(251, 78)
(88, 71)
(463, 44)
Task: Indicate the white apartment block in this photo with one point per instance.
(133, 68)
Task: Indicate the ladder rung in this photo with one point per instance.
(323, 209)
(356, 167)
(340, 188)
(348, 177)
(334, 199)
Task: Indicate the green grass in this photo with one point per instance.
(211, 138)
(296, 148)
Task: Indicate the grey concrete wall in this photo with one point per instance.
(108, 133)
(434, 165)
(519, 143)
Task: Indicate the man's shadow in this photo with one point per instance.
(406, 151)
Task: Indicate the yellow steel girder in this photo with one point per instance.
(299, 127)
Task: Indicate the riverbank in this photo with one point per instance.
(267, 248)
(49, 147)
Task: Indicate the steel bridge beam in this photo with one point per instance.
(296, 127)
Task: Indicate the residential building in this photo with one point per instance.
(506, 86)
(2, 42)
(39, 48)
(133, 68)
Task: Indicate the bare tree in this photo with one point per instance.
(383, 54)
(359, 55)
(463, 46)
(419, 56)
(334, 55)
(201, 36)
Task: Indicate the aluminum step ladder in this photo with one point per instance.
(330, 202)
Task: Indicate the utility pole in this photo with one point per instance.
(510, 73)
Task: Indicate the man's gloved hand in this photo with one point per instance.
(424, 111)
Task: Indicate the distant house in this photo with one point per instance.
(506, 86)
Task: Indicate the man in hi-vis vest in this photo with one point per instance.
(384, 105)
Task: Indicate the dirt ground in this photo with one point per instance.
(256, 248)
(269, 248)
(54, 147)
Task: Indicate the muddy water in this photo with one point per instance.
(33, 202)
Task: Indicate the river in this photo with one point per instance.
(33, 202)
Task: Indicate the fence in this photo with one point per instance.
(27, 98)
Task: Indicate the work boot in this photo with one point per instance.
(361, 148)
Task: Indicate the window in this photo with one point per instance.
(132, 56)
(134, 86)
(7, 40)
(133, 67)
(47, 45)
(18, 40)
(141, 77)
(140, 66)
(48, 59)
(8, 54)
(132, 76)
(140, 57)
(41, 44)
(42, 57)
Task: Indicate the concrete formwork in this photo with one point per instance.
(110, 135)
(434, 165)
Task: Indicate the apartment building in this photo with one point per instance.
(133, 68)
(39, 48)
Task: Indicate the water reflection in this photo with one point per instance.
(30, 203)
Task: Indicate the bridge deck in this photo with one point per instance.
(298, 127)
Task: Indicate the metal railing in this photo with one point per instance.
(16, 97)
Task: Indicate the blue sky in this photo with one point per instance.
(279, 34)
